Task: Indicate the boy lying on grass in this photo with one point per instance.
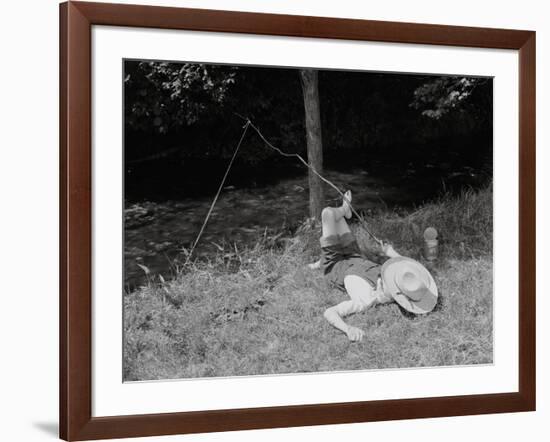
(400, 279)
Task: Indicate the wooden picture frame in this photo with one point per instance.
(76, 21)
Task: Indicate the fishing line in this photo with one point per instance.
(248, 124)
(245, 128)
(305, 163)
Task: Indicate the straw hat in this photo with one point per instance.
(410, 284)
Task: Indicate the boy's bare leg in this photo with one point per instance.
(342, 226)
(334, 222)
(333, 218)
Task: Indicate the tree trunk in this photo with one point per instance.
(314, 139)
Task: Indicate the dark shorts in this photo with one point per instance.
(361, 267)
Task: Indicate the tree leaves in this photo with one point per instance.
(176, 94)
(442, 95)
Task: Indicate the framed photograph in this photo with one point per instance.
(274, 220)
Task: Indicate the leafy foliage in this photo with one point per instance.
(170, 95)
(443, 95)
(184, 119)
(171, 104)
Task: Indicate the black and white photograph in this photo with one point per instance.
(282, 220)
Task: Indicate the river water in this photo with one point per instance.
(157, 232)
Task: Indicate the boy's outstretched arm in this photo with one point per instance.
(335, 314)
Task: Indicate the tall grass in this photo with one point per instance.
(464, 223)
(258, 310)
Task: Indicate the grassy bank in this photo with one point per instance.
(259, 310)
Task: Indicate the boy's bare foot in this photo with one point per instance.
(315, 265)
(346, 204)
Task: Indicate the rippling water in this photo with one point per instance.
(155, 233)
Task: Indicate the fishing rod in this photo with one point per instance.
(249, 124)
